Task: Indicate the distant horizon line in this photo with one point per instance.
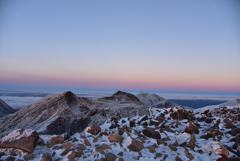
(17, 87)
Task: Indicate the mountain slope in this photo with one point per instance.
(5, 109)
(153, 100)
(232, 103)
(40, 113)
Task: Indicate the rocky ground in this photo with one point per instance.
(167, 134)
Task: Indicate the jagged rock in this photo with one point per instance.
(115, 138)
(151, 133)
(66, 145)
(110, 156)
(135, 145)
(29, 156)
(46, 157)
(21, 139)
(55, 140)
(93, 129)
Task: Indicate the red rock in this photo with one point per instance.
(93, 129)
(115, 138)
(25, 140)
(103, 133)
(71, 155)
(86, 142)
(151, 149)
(192, 141)
(103, 147)
(222, 159)
(46, 157)
(135, 145)
(195, 128)
(66, 145)
(55, 140)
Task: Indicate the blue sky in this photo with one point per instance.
(152, 45)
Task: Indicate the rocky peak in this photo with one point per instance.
(5, 109)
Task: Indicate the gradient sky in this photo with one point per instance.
(151, 45)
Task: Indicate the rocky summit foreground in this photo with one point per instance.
(166, 134)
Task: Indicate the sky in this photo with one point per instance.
(138, 45)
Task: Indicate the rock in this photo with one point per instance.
(188, 155)
(103, 133)
(119, 159)
(188, 130)
(235, 131)
(120, 153)
(95, 140)
(29, 156)
(204, 137)
(82, 137)
(74, 139)
(110, 157)
(86, 142)
(228, 124)
(208, 120)
(115, 138)
(151, 133)
(103, 147)
(121, 131)
(172, 147)
(46, 157)
(143, 118)
(222, 159)
(126, 127)
(80, 147)
(210, 134)
(25, 140)
(66, 145)
(224, 152)
(178, 159)
(131, 123)
(158, 155)
(55, 140)
(194, 127)
(10, 158)
(71, 155)
(93, 129)
(151, 149)
(192, 141)
(65, 152)
(168, 129)
(160, 141)
(40, 142)
(135, 145)
(233, 159)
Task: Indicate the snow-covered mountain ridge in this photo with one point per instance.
(169, 134)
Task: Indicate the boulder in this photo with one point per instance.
(135, 145)
(103, 147)
(25, 140)
(151, 133)
(94, 130)
(55, 140)
(115, 138)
